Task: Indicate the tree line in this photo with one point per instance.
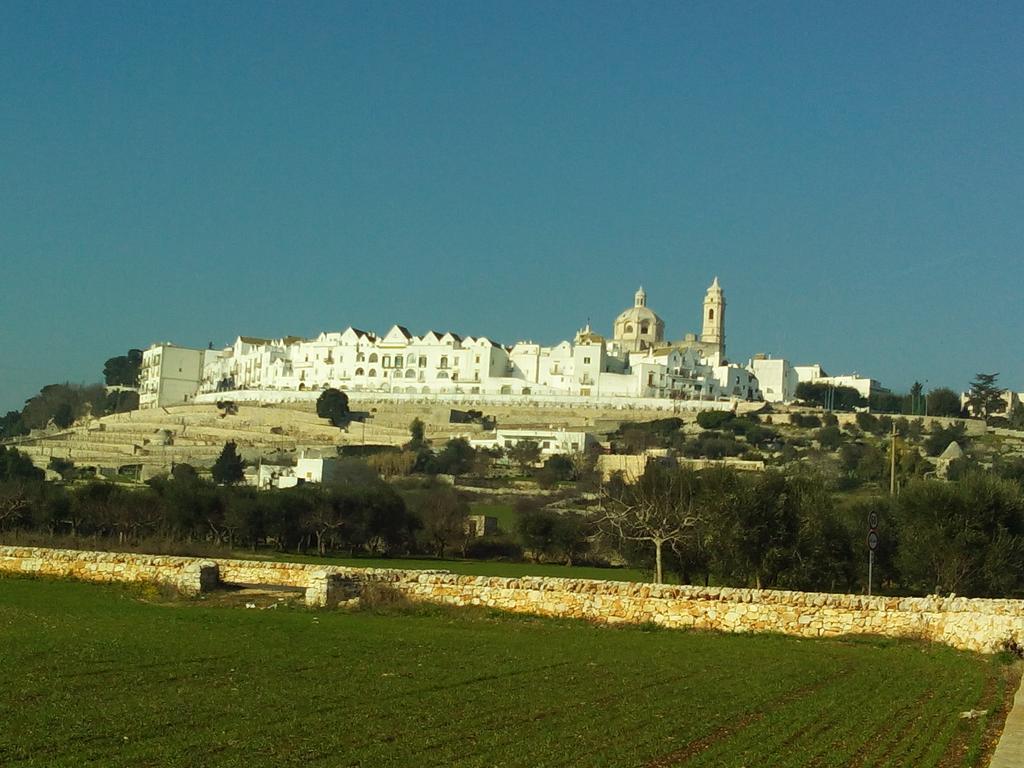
(775, 530)
(715, 526)
(64, 404)
(984, 399)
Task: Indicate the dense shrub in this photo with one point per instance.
(940, 437)
(712, 445)
(829, 437)
(805, 420)
(333, 406)
(493, 548)
(714, 419)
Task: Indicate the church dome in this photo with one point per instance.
(639, 327)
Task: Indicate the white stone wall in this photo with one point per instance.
(469, 400)
(970, 624)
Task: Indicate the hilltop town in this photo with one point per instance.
(635, 365)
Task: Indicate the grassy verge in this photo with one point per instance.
(505, 513)
(94, 676)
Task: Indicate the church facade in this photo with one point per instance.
(636, 362)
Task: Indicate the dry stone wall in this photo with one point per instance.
(189, 574)
(971, 624)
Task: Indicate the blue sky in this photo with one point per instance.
(853, 173)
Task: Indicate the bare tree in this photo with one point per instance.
(13, 504)
(658, 508)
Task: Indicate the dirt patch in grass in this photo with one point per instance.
(255, 598)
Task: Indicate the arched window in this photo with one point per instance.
(373, 357)
(372, 373)
(444, 362)
(629, 328)
(359, 371)
(442, 374)
(711, 314)
(410, 360)
(410, 374)
(644, 327)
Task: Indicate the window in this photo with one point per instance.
(586, 361)
(360, 357)
(711, 314)
(444, 362)
(478, 358)
(410, 374)
(423, 361)
(386, 361)
(442, 374)
(410, 361)
(644, 328)
(629, 328)
(373, 372)
(373, 357)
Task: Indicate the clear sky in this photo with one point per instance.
(852, 172)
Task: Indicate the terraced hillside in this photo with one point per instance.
(155, 439)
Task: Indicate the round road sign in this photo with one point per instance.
(873, 520)
(872, 541)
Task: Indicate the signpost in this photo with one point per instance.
(872, 545)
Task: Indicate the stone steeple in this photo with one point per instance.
(714, 317)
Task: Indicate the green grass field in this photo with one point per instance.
(93, 675)
(505, 513)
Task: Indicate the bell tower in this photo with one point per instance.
(714, 317)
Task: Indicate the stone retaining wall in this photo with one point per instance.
(971, 624)
(189, 574)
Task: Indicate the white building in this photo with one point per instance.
(550, 441)
(815, 374)
(737, 382)
(776, 377)
(170, 375)
(307, 470)
(636, 363)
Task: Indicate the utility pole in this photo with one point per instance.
(892, 463)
